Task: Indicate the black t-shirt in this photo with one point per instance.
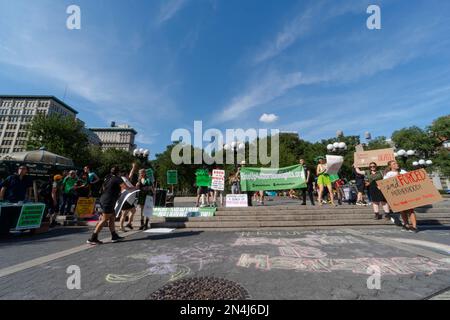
(358, 177)
(111, 190)
(16, 188)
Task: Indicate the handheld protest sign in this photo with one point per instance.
(218, 180)
(172, 177)
(410, 190)
(203, 179)
(126, 196)
(381, 157)
(334, 164)
(85, 207)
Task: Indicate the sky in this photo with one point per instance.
(309, 66)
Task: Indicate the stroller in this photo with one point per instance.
(351, 193)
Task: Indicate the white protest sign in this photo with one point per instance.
(334, 164)
(218, 180)
(236, 201)
(148, 207)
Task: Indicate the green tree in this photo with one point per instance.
(110, 158)
(440, 130)
(58, 134)
(378, 143)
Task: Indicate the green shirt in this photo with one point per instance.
(68, 184)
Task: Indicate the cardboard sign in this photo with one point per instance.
(410, 190)
(236, 201)
(30, 216)
(85, 207)
(125, 196)
(334, 164)
(381, 157)
(359, 148)
(148, 207)
(218, 180)
(172, 177)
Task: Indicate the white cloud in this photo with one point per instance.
(268, 118)
(263, 91)
(169, 9)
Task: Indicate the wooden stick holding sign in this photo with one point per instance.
(410, 190)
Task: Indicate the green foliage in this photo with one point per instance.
(113, 157)
(414, 138)
(378, 143)
(60, 135)
(440, 129)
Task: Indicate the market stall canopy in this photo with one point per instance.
(40, 162)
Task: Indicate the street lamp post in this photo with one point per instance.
(422, 163)
(235, 147)
(337, 147)
(404, 155)
(141, 154)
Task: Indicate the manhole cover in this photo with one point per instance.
(201, 289)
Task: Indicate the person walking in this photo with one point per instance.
(68, 185)
(378, 200)
(309, 180)
(111, 188)
(408, 216)
(323, 180)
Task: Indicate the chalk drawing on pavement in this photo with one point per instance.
(310, 240)
(434, 245)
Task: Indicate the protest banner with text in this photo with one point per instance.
(272, 179)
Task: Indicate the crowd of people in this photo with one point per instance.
(323, 188)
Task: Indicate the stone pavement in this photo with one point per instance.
(290, 264)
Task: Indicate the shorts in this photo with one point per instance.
(127, 206)
(107, 208)
(324, 180)
(360, 185)
(202, 190)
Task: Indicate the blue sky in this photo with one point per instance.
(160, 65)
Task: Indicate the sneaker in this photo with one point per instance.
(359, 203)
(405, 228)
(94, 242)
(303, 204)
(129, 226)
(413, 230)
(116, 238)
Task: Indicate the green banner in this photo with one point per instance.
(172, 177)
(334, 177)
(203, 179)
(272, 179)
(30, 216)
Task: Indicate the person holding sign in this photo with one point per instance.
(373, 175)
(146, 188)
(203, 182)
(408, 216)
(323, 180)
(309, 188)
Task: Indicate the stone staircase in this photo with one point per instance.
(296, 216)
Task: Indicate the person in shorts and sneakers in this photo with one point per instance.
(111, 190)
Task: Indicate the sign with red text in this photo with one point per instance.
(218, 180)
(381, 157)
(410, 190)
(236, 201)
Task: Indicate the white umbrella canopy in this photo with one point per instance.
(39, 156)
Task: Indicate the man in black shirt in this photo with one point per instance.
(111, 191)
(309, 179)
(17, 187)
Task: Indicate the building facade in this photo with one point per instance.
(16, 114)
(116, 137)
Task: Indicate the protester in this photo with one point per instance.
(309, 180)
(249, 193)
(82, 187)
(361, 186)
(45, 196)
(323, 180)
(146, 188)
(235, 183)
(110, 194)
(17, 187)
(408, 216)
(373, 175)
(68, 185)
(56, 198)
(202, 193)
(94, 182)
(337, 184)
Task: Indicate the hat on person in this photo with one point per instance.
(243, 163)
(316, 159)
(57, 177)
